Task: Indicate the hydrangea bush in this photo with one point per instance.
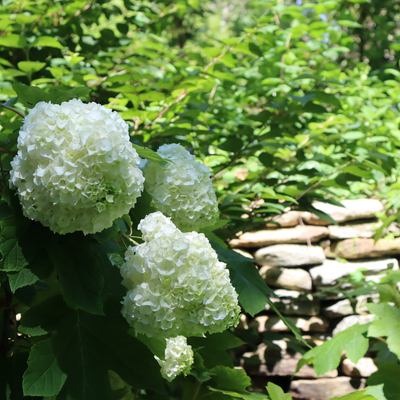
(75, 169)
(183, 189)
(105, 313)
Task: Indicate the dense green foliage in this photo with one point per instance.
(285, 102)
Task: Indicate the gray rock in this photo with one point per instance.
(363, 248)
(346, 307)
(286, 220)
(299, 234)
(273, 323)
(339, 309)
(353, 209)
(325, 388)
(295, 303)
(365, 367)
(351, 320)
(327, 273)
(277, 360)
(290, 255)
(350, 231)
(293, 278)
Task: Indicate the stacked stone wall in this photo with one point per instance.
(305, 260)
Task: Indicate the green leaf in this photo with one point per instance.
(13, 257)
(13, 40)
(376, 392)
(386, 323)
(303, 99)
(359, 395)
(24, 277)
(148, 154)
(152, 96)
(79, 270)
(327, 98)
(255, 49)
(305, 76)
(276, 393)
(31, 66)
(388, 374)
(234, 380)
(43, 376)
(349, 24)
(249, 285)
(29, 96)
(327, 356)
(46, 41)
(353, 135)
(358, 172)
(89, 345)
(45, 315)
(213, 348)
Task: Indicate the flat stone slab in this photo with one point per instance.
(288, 278)
(277, 360)
(290, 255)
(273, 323)
(352, 210)
(325, 388)
(287, 220)
(365, 367)
(351, 320)
(346, 307)
(299, 234)
(328, 273)
(353, 230)
(363, 248)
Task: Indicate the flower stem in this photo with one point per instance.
(129, 238)
(196, 389)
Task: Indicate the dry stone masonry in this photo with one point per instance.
(302, 258)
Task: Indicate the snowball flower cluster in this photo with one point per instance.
(176, 285)
(178, 358)
(75, 169)
(183, 189)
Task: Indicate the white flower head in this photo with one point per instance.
(178, 358)
(176, 285)
(75, 169)
(182, 189)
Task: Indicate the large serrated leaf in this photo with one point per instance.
(79, 271)
(387, 324)
(251, 288)
(327, 356)
(89, 345)
(213, 348)
(276, 393)
(43, 376)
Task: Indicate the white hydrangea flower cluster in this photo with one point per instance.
(176, 285)
(178, 358)
(75, 169)
(183, 189)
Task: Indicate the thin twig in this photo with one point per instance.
(177, 100)
(14, 110)
(316, 184)
(8, 151)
